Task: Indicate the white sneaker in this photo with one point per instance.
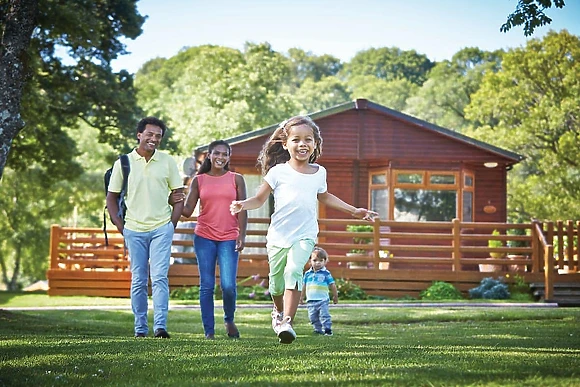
(276, 320)
(286, 333)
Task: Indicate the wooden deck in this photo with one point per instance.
(401, 259)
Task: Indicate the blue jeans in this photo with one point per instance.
(208, 253)
(150, 253)
(319, 315)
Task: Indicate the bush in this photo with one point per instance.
(440, 290)
(185, 293)
(491, 289)
(349, 291)
(359, 240)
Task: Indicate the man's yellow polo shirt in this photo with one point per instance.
(148, 189)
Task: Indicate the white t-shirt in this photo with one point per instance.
(295, 204)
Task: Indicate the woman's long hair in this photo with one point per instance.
(206, 165)
(273, 152)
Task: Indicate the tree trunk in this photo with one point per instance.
(16, 31)
(12, 286)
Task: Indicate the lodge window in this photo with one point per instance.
(421, 196)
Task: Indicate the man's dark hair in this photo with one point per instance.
(151, 121)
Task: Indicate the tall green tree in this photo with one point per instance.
(65, 81)
(65, 51)
(17, 21)
(314, 96)
(443, 97)
(306, 65)
(530, 14)
(217, 92)
(392, 94)
(389, 64)
(531, 106)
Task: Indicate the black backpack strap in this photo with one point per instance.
(125, 168)
(105, 226)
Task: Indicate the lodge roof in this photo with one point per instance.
(364, 104)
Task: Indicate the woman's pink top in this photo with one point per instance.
(215, 221)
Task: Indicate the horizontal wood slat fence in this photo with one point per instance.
(396, 259)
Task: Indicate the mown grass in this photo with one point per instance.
(401, 346)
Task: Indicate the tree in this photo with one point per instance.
(392, 94)
(306, 65)
(217, 92)
(17, 21)
(531, 14)
(531, 106)
(316, 96)
(55, 76)
(390, 64)
(46, 92)
(443, 97)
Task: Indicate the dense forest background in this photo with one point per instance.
(79, 117)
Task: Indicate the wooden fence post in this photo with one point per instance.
(569, 259)
(456, 232)
(549, 273)
(55, 231)
(376, 242)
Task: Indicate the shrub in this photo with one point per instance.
(257, 292)
(359, 240)
(491, 289)
(441, 290)
(348, 290)
(185, 293)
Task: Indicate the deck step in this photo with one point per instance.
(565, 293)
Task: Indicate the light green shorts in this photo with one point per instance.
(287, 266)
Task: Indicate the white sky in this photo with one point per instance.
(436, 28)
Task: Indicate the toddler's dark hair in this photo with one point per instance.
(320, 253)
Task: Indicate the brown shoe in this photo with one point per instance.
(232, 330)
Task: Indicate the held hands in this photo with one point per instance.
(236, 206)
(176, 197)
(364, 214)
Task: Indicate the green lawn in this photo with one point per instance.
(417, 346)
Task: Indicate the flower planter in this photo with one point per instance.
(489, 267)
(384, 265)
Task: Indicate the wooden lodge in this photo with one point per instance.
(440, 195)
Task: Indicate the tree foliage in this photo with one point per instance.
(531, 106)
(530, 14)
(69, 86)
(306, 65)
(389, 64)
(217, 92)
(443, 97)
(393, 94)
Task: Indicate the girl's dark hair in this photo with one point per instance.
(206, 165)
(273, 152)
(320, 253)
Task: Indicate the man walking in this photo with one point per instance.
(150, 222)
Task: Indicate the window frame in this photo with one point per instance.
(392, 176)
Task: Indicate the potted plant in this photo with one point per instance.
(493, 243)
(359, 240)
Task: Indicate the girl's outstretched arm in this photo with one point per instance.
(253, 202)
(332, 201)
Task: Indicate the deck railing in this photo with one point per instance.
(400, 257)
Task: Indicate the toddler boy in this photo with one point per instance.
(317, 282)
